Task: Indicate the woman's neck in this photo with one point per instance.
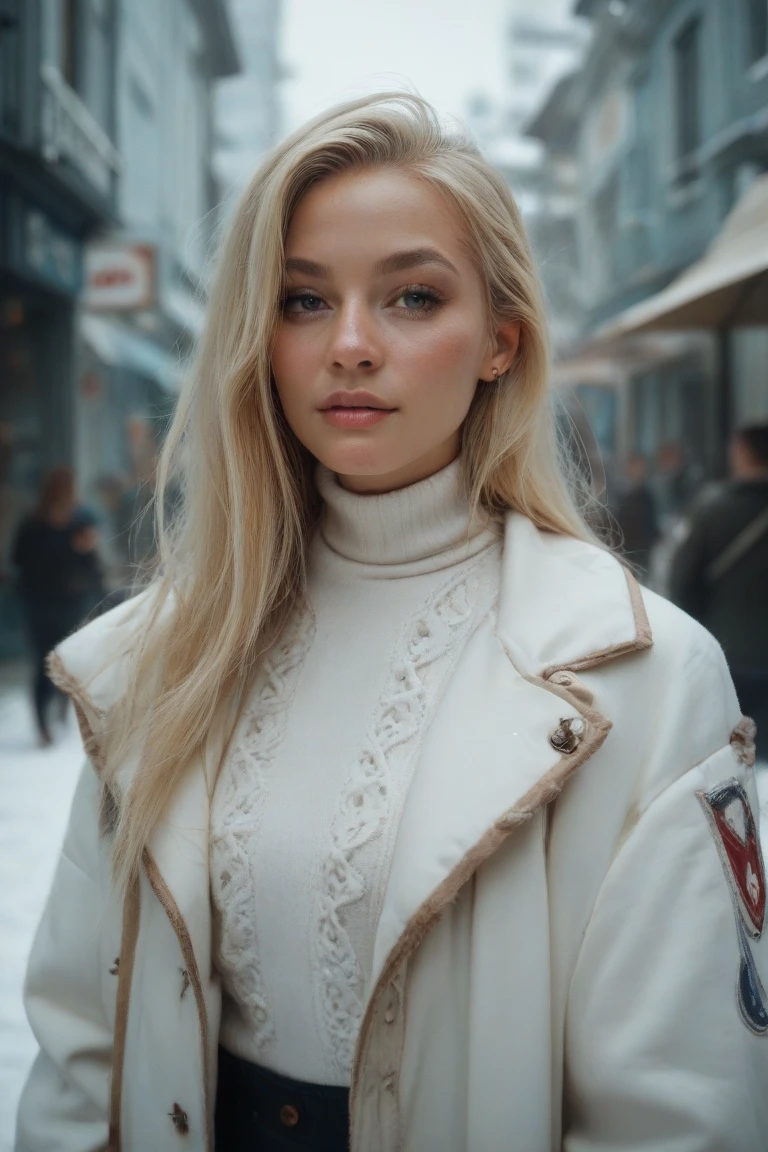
(426, 525)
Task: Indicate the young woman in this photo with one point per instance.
(409, 822)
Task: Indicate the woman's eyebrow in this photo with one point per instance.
(412, 258)
(308, 267)
(397, 262)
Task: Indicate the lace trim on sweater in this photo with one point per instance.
(239, 803)
(374, 793)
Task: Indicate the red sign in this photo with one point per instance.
(119, 277)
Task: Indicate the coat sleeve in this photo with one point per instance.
(65, 1101)
(658, 1054)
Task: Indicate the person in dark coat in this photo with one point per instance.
(720, 571)
(59, 577)
(635, 514)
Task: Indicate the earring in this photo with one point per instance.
(494, 372)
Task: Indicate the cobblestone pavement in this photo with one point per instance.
(36, 787)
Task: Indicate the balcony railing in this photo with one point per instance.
(70, 133)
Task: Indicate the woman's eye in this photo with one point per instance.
(418, 300)
(303, 302)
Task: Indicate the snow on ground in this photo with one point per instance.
(36, 787)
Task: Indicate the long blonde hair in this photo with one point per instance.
(233, 561)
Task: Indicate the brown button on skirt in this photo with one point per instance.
(261, 1111)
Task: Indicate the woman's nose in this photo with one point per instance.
(355, 342)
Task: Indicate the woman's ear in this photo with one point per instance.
(506, 343)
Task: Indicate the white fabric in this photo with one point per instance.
(308, 803)
(576, 994)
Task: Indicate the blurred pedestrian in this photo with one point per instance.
(635, 514)
(675, 482)
(59, 577)
(720, 571)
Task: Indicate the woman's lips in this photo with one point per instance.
(355, 417)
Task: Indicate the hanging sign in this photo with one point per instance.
(119, 277)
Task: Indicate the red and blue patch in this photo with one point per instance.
(730, 817)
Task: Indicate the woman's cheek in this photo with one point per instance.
(290, 358)
(451, 342)
(448, 360)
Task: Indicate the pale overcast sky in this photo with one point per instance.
(445, 49)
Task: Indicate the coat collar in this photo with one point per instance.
(565, 603)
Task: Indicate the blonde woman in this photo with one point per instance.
(409, 821)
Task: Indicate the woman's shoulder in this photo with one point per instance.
(673, 707)
(690, 661)
(577, 603)
(93, 664)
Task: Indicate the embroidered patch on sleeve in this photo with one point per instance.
(730, 818)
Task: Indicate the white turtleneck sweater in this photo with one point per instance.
(309, 799)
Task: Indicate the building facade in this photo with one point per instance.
(59, 171)
(108, 211)
(542, 44)
(674, 123)
(668, 122)
(248, 110)
(142, 307)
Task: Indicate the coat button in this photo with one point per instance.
(289, 1115)
(568, 736)
(180, 1119)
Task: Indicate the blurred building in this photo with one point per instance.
(247, 105)
(144, 290)
(108, 203)
(666, 121)
(543, 43)
(59, 172)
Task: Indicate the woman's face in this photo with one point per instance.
(383, 334)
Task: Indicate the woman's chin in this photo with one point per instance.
(359, 461)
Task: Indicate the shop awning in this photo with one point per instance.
(115, 344)
(609, 362)
(728, 287)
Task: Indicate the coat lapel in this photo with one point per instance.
(178, 864)
(177, 856)
(491, 759)
(565, 603)
(483, 762)
(488, 760)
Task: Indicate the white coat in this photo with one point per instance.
(557, 959)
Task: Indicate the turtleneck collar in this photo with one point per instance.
(425, 526)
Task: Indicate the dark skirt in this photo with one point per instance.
(261, 1111)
